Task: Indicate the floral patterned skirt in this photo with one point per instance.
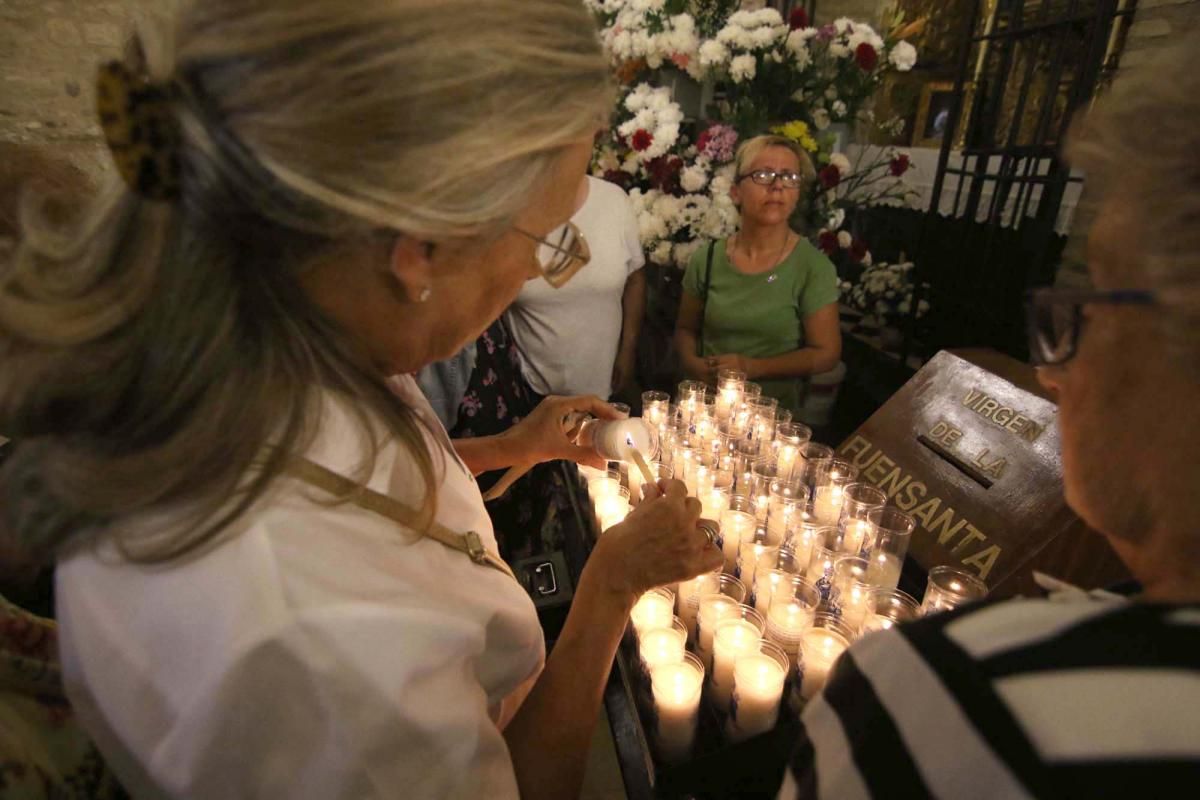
(498, 396)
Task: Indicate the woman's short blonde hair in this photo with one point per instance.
(162, 356)
(752, 148)
(1140, 146)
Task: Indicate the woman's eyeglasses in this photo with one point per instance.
(1055, 318)
(766, 177)
(562, 253)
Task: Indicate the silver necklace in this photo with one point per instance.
(778, 254)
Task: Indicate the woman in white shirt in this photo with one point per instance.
(262, 586)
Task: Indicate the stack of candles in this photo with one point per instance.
(820, 555)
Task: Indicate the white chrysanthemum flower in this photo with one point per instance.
(836, 218)
(844, 239)
(866, 259)
(684, 252)
(713, 54)
(838, 50)
(843, 25)
(839, 109)
(661, 254)
(693, 178)
(797, 45)
(831, 93)
(742, 68)
(842, 163)
(903, 56)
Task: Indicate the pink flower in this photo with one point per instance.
(681, 60)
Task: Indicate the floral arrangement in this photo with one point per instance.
(766, 70)
(883, 293)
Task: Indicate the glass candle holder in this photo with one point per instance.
(745, 455)
(762, 475)
(758, 680)
(603, 486)
(807, 536)
(733, 636)
(654, 609)
(616, 439)
(813, 467)
(690, 397)
(949, 588)
(773, 567)
(735, 525)
(656, 407)
(750, 549)
(684, 591)
(888, 607)
(820, 648)
(790, 438)
(622, 409)
(714, 503)
(782, 416)
(676, 689)
(785, 505)
(893, 531)
(850, 591)
(827, 497)
(714, 607)
(858, 501)
(790, 613)
(708, 584)
(663, 645)
(820, 565)
(730, 383)
(612, 509)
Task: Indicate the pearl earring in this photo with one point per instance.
(425, 294)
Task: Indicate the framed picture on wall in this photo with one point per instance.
(933, 113)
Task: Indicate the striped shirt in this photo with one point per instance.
(1024, 698)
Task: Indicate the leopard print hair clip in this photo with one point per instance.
(141, 130)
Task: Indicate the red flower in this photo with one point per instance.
(620, 178)
(798, 19)
(858, 250)
(664, 173)
(702, 139)
(830, 176)
(866, 56)
(900, 165)
(641, 139)
(828, 242)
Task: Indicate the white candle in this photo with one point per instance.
(600, 488)
(758, 687)
(782, 514)
(733, 638)
(853, 602)
(820, 648)
(662, 646)
(713, 609)
(765, 581)
(714, 503)
(612, 511)
(820, 570)
(876, 622)
(827, 504)
(786, 623)
(676, 689)
(858, 535)
(884, 571)
(653, 609)
(734, 526)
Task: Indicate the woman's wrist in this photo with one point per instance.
(606, 576)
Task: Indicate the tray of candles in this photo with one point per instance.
(713, 672)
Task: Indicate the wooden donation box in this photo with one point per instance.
(970, 448)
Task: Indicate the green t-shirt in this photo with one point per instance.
(762, 315)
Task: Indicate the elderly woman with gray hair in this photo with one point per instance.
(276, 576)
(1077, 695)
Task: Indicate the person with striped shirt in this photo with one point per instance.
(1077, 694)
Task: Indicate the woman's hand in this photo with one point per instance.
(735, 361)
(542, 436)
(624, 368)
(660, 542)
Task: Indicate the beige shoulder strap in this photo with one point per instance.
(340, 486)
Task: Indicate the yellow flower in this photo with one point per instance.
(797, 131)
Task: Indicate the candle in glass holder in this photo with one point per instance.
(850, 593)
(750, 550)
(827, 497)
(858, 501)
(612, 509)
(784, 505)
(856, 536)
(733, 637)
(888, 607)
(729, 391)
(691, 398)
(790, 613)
(790, 438)
(758, 680)
(663, 645)
(637, 491)
(820, 647)
(815, 459)
(949, 588)
(713, 585)
(714, 503)
(686, 592)
(734, 526)
(820, 567)
(601, 487)
(773, 567)
(655, 406)
(676, 689)
(807, 535)
(893, 531)
(654, 609)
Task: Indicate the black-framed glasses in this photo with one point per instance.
(1055, 317)
(766, 177)
(562, 253)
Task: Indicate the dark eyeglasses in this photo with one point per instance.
(563, 253)
(766, 177)
(1055, 317)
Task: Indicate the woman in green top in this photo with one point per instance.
(768, 307)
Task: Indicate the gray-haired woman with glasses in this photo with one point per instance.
(1082, 694)
(276, 576)
(764, 301)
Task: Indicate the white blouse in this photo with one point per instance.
(319, 651)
